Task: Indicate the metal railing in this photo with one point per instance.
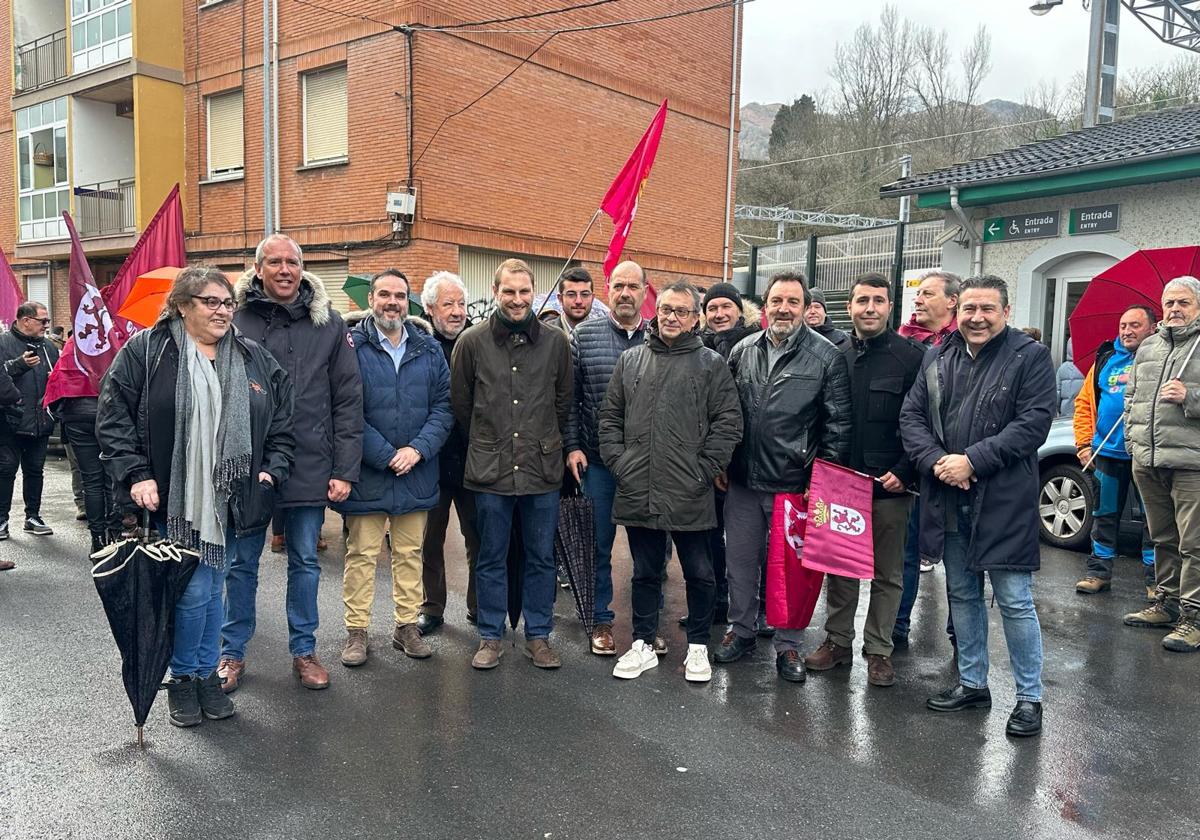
(105, 208)
(41, 62)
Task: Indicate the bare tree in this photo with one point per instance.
(947, 103)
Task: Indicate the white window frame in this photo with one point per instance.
(229, 173)
(43, 227)
(328, 161)
(121, 45)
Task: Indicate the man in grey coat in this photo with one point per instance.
(1162, 410)
(668, 427)
(286, 309)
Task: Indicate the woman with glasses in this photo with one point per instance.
(195, 422)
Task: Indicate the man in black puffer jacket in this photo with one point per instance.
(795, 397)
(595, 347)
(25, 428)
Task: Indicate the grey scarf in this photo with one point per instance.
(212, 443)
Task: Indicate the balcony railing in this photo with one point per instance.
(41, 62)
(105, 208)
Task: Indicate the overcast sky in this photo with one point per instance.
(788, 44)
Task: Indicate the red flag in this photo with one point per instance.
(10, 291)
(94, 344)
(621, 200)
(792, 589)
(838, 540)
(160, 244)
(67, 380)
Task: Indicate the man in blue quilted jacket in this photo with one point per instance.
(595, 346)
(406, 420)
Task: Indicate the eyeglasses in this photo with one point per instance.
(680, 312)
(212, 303)
(43, 321)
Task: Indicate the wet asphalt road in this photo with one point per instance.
(401, 748)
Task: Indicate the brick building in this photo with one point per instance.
(173, 90)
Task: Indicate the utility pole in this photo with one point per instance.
(1101, 86)
(267, 122)
(905, 200)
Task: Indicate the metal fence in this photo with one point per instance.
(105, 208)
(831, 262)
(41, 62)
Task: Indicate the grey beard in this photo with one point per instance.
(782, 330)
(389, 324)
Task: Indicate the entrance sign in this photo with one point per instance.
(1104, 218)
(1041, 224)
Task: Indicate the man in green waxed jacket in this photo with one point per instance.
(668, 427)
(1162, 432)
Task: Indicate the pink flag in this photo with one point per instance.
(792, 589)
(10, 291)
(838, 540)
(93, 342)
(621, 200)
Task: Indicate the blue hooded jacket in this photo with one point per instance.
(1110, 402)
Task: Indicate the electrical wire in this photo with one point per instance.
(724, 4)
(758, 166)
(451, 26)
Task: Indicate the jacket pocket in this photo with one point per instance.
(483, 461)
(552, 464)
(884, 398)
(252, 506)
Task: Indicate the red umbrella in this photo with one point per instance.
(1137, 279)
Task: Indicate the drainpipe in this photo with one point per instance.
(275, 115)
(969, 226)
(734, 62)
(268, 164)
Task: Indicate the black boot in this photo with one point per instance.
(214, 702)
(99, 540)
(183, 701)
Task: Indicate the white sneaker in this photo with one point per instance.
(638, 660)
(695, 666)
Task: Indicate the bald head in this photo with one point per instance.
(626, 291)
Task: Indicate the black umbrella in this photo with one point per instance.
(139, 582)
(575, 550)
(516, 570)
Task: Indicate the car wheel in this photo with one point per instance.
(1065, 507)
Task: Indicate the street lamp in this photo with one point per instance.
(1043, 6)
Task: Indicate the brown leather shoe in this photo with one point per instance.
(278, 544)
(407, 638)
(602, 641)
(355, 652)
(488, 655)
(230, 672)
(828, 655)
(880, 671)
(5, 565)
(661, 648)
(322, 544)
(542, 654)
(311, 672)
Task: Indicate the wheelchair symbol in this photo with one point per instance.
(1013, 228)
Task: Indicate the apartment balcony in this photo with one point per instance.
(108, 208)
(41, 62)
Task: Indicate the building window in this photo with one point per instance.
(325, 136)
(37, 290)
(101, 32)
(225, 135)
(43, 187)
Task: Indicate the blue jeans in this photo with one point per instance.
(198, 616)
(600, 486)
(539, 519)
(302, 528)
(1014, 593)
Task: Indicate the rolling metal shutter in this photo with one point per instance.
(325, 134)
(225, 152)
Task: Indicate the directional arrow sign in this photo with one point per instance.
(1037, 225)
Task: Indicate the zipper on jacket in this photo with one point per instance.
(1154, 396)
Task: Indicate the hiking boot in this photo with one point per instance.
(1158, 614)
(542, 654)
(355, 651)
(880, 671)
(488, 655)
(1185, 638)
(183, 703)
(733, 647)
(213, 702)
(1092, 585)
(695, 665)
(661, 648)
(828, 655)
(1151, 594)
(636, 661)
(311, 672)
(602, 641)
(407, 637)
(230, 672)
(35, 525)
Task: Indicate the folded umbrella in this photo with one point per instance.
(139, 581)
(575, 550)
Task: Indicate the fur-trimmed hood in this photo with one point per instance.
(318, 306)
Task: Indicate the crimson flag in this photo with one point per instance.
(792, 589)
(94, 345)
(10, 291)
(621, 200)
(838, 540)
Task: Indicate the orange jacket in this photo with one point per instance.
(1085, 412)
